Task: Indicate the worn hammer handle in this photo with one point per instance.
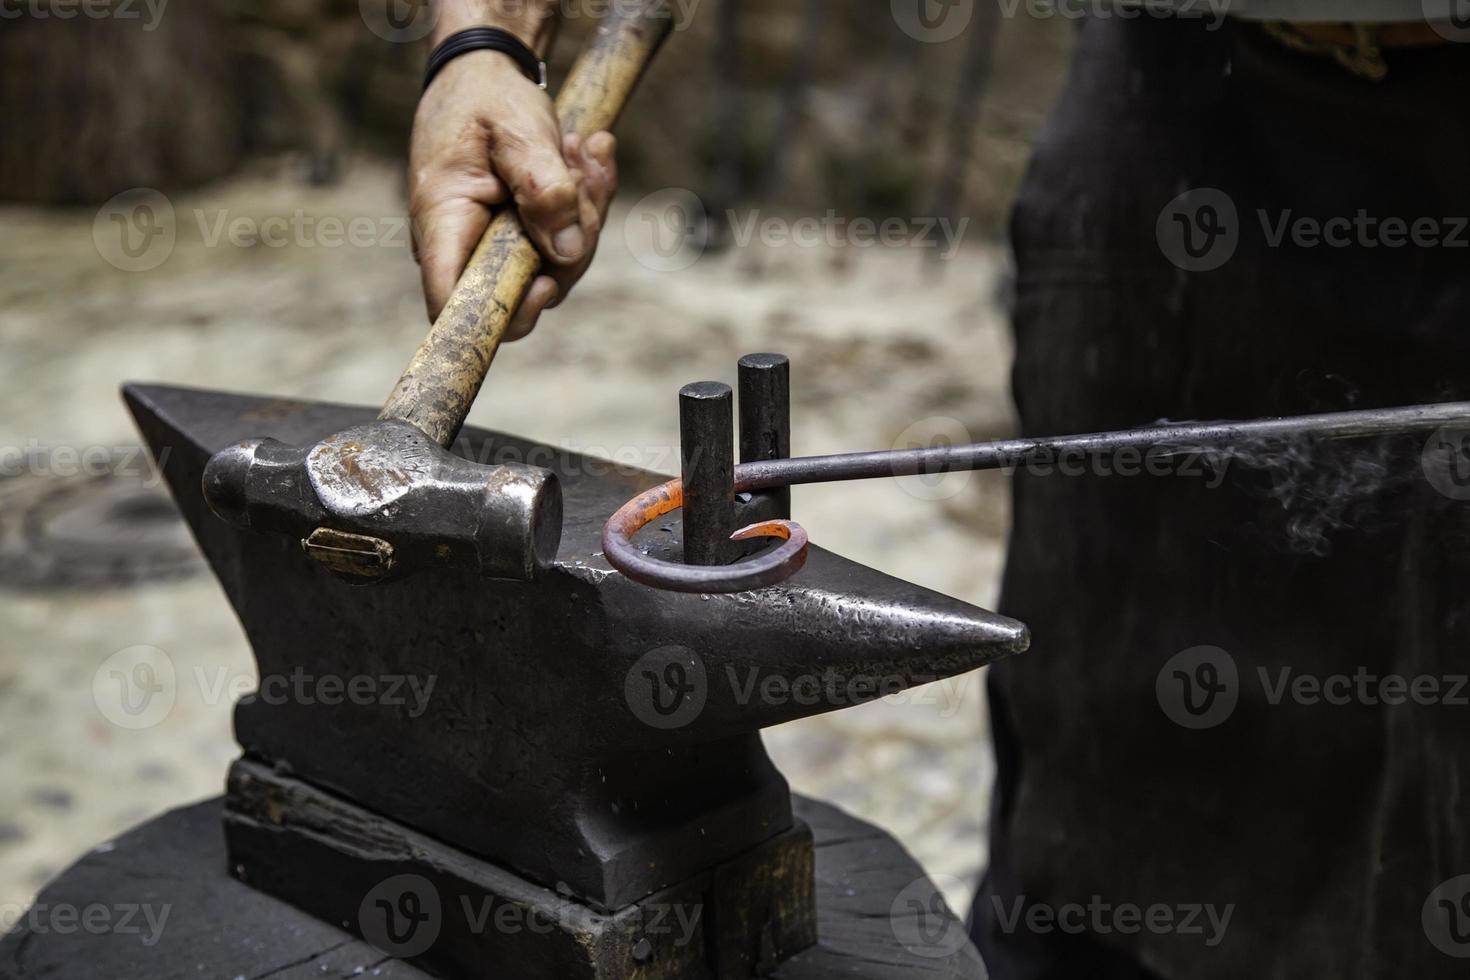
(441, 382)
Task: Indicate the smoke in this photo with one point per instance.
(1320, 487)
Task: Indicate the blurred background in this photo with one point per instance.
(211, 193)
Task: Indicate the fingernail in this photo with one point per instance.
(570, 243)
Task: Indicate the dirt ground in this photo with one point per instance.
(888, 346)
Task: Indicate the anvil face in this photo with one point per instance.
(594, 735)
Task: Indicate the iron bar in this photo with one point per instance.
(1163, 440)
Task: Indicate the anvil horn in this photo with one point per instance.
(581, 729)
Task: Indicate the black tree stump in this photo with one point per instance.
(879, 916)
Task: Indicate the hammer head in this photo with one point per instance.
(383, 498)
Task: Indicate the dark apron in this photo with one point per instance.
(1324, 828)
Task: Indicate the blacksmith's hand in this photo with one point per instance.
(485, 135)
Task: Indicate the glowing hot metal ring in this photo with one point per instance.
(763, 570)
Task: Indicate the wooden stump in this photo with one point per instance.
(868, 889)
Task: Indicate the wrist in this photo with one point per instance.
(533, 21)
(487, 40)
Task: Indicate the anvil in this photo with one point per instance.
(585, 736)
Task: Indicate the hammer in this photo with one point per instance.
(389, 496)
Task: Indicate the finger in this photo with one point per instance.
(527, 154)
(596, 161)
(600, 170)
(544, 293)
(448, 234)
(571, 149)
(602, 149)
(432, 190)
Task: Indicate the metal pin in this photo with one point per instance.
(765, 420)
(707, 449)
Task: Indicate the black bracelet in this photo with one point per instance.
(486, 39)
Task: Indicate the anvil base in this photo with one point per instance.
(460, 916)
(868, 889)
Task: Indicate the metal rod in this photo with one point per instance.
(707, 451)
(780, 563)
(765, 418)
(1161, 440)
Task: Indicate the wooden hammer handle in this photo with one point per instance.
(441, 382)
